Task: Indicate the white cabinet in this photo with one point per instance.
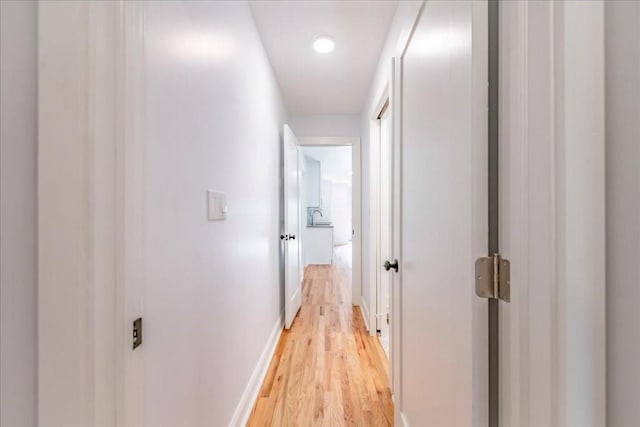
(318, 245)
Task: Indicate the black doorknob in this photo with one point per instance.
(292, 236)
(284, 237)
(388, 266)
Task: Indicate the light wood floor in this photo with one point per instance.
(326, 370)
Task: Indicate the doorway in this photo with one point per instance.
(349, 249)
(327, 205)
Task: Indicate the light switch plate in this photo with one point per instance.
(216, 205)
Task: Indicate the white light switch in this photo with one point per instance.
(216, 205)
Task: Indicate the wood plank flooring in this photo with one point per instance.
(327, 370)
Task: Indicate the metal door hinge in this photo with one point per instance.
(493, 278)
(137, 332)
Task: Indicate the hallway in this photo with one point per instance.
(319, 212)
(327, 370)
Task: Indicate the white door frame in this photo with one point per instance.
(552, 334)
(389, 89)
(384, 241)
(376, 269)
(90, 172)
(375, 266)
(389, 93)
(356, 213)
(395, 335)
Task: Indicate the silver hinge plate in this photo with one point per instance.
(493, 278)
(137, 332)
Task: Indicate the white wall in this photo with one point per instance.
(622, 38)
(336, 161)
(18, 199)
(213, 293)
(312, 183)
(396, 38)
(325, 125)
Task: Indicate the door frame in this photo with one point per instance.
(356, 207)
(376, 270)
(375, 266)
(90, 149)
(381, 228)
(387, 85)
(552, 219)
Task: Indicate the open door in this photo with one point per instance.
(291, 233)
(443, 217)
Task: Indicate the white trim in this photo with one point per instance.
(375, 225)
(374, 147)
(390, 84)
(514, 230)
(374, 203)
(552, 369)
(580, 210)
(375, 265)
(479, 129)
(250, 394)
(329, 141)
(385, 207)
(356, 248)
(78, 126)
(130, 215)
(91, 121)
(395, 338)
(364, 310)
(104, 59)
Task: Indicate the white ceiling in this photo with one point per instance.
(314, 83)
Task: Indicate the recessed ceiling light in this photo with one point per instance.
(324, 44)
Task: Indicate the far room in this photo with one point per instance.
(327, 205)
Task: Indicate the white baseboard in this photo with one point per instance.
(404, 421)
(365, 314)
(250, 393)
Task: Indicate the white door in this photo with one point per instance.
(443, 204)
(384, 236)
(291, 233)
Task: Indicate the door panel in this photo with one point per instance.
(443, 211)
(292, 209)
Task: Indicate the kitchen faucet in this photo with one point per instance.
(313, 213)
